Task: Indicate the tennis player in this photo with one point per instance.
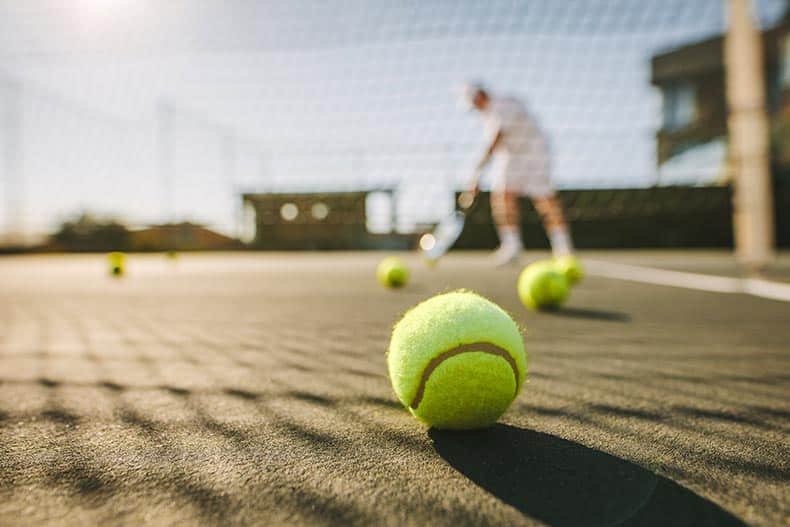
(519, 155)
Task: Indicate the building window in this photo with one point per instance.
(320, 211)
(378, 212)
(680, 100)
(248, 225)
(289, 211)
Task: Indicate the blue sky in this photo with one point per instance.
(306, 95)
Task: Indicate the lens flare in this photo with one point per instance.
(427, 242)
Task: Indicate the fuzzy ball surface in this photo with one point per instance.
(541, 286)
(570, 267)
(117, 263)
(392, 272)
(457, 361)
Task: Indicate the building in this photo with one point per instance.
(692, 141)
(322, 221)
(183, 236)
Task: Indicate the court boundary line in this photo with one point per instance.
(702, 282)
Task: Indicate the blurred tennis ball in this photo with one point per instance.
(457, 361)
(392, 272)
(541, 286)
(570, 267)
(117, 262)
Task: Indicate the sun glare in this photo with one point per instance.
(94, 11)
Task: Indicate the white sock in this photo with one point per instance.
(510, 236)
(560, 239)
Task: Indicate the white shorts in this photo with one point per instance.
(527, 175)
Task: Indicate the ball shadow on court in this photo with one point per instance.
(563, 483)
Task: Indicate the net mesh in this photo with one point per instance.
(156, 112)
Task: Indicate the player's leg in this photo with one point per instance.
(507, 218)
(505, 208)
(550, 209)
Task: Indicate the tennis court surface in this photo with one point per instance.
(252, 389)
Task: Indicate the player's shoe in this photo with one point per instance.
(507, 254)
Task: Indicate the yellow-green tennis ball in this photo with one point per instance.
(570, 267)
(541, 286)
(457, 361)
(392, 272)
(117, 262)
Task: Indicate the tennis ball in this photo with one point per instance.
(570, 267)
(541, 286)
(117, 263)
(392, 272)
(457, 361)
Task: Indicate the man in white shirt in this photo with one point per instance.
(520, 167)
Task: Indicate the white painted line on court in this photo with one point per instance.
(701, 282)
(767, 289)
(651, 275)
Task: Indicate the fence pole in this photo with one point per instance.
(753, 219)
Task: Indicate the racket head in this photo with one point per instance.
(435, 244)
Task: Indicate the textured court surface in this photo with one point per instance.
(252, 389)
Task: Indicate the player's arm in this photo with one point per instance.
(496, 138)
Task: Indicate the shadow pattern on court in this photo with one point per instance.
(565, 484)
(232, 397)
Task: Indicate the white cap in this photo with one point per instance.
(467, 94)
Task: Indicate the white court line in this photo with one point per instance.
(767, 289)
(702, 282)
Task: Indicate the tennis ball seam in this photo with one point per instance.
(481, 347)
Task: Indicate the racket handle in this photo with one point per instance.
(465, 199)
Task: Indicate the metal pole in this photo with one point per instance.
(11, 133)
(229, 157)
(753, 219)
(165, 146)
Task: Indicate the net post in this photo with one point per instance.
(753, 214)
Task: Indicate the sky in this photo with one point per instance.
(152, 111)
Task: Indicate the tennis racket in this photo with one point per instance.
(434, 245)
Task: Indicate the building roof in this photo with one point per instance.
(314, 192)
(692, 59)
(707, 56)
